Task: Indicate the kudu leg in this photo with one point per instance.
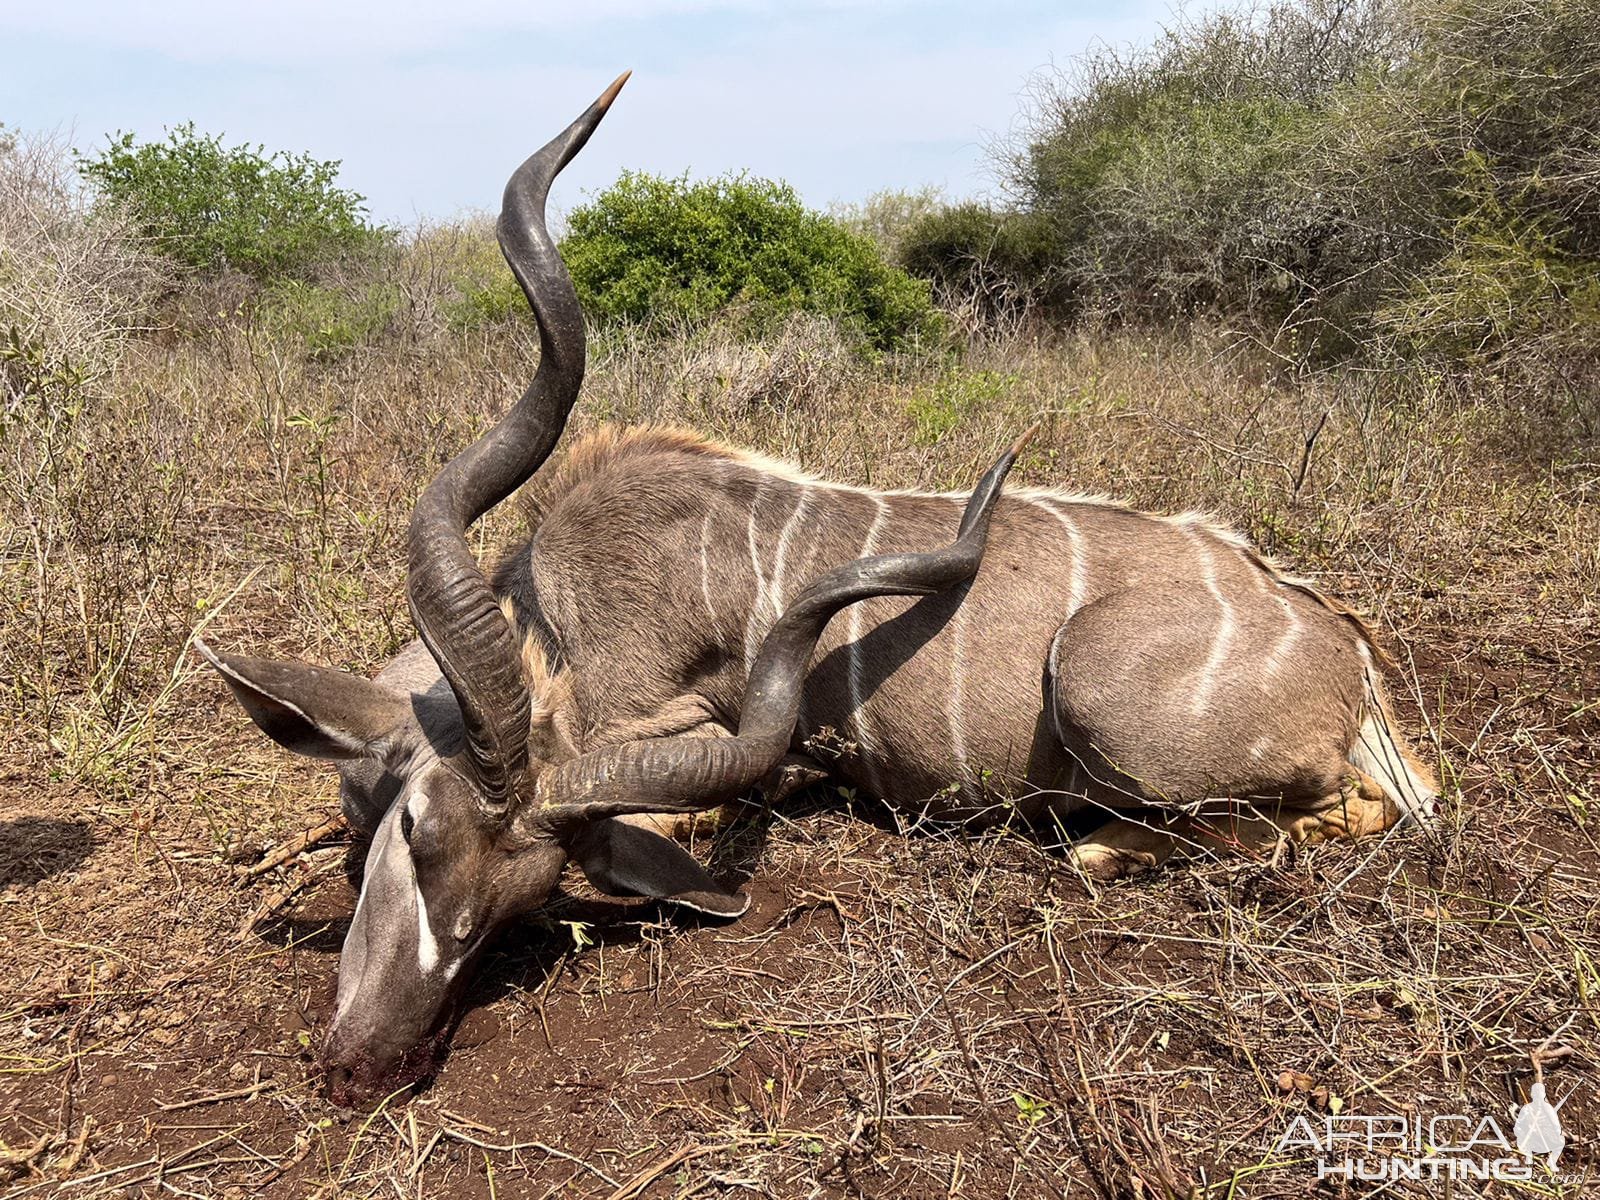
(1120, 848)
(1171, 717)
(1125, 846)
(1357, 810)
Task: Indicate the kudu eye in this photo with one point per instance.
(407, 824)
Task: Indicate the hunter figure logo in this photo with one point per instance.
(1538, 1127)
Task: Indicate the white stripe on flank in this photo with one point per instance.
(775, 590)
(958, 695)
(1222, 644)
(752, 637)
(1076, 577)
(1279, 656)
(1268, 582)
(863, 738)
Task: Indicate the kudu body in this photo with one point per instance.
(662, 643)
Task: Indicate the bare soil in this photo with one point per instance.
(899, 1014)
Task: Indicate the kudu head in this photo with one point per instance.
(487, 812)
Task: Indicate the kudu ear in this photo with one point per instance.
(313, 710)
(624, 860)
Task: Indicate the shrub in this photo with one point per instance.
(75, 284)
(1475, 159)
(997, 265)
(1347, 177)
(887, 216)
(483, 291)
(1182, 178)
(329, 320)
(74, 281)
(215, 207)
(487, 300)
(649, 249)
(939, 408)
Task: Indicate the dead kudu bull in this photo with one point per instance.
(647, 651)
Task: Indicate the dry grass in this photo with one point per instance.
(904, 1013)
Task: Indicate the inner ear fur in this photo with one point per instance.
(314, 710)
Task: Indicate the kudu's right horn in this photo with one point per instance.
(451, 602)
(689, 774)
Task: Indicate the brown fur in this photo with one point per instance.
(1102, 656)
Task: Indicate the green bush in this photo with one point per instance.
(487, 300)
(1383, 178)
(941, 407)
(999, 265)
(1474, 163)
(738, 248)
(1183, 178)
(331, 321)
(485, 292)
(1502, 286)
(886, 216)
(210, 206)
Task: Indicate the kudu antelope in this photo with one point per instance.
(662, 643)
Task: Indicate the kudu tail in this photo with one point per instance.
(1381, 754)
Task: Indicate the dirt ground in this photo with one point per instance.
(902, 1013)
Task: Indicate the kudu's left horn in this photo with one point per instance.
(451, 602)
(688, 774)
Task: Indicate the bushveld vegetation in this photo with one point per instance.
(1359, 179)
(1324, 272)
(213, 207)
(738, 250)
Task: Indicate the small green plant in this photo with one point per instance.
(29, 369)
(1030, 1109)
(268, 215)
(484, 292)
(1504, 281)
(740, 249)
(330, 321)
(937, 410)
(489, 301)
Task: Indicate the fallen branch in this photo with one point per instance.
(275, 901)
(506, 1147)
(650, 1174)
(249, 1091)
(297, 845)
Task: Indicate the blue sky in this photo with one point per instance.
(429, 106)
